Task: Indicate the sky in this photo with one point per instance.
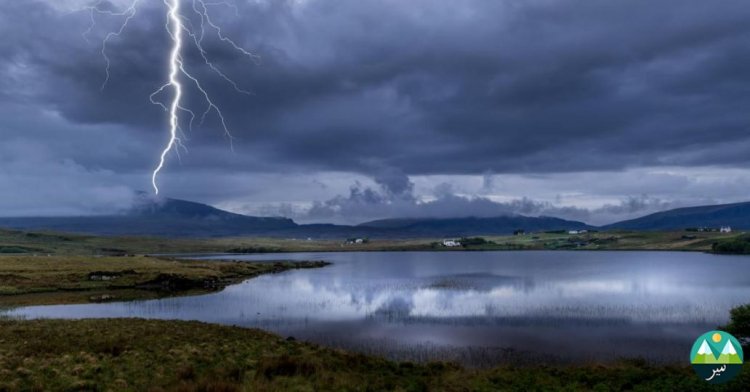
(359, 110)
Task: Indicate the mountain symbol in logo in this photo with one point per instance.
(705, 354)
(729, 354)
(716, 357)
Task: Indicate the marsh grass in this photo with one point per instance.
(152, 355)
(33, 280)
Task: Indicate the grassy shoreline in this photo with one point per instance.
(62, 268)
(37, 280)
(43, 243)
(153, 355)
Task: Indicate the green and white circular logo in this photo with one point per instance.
(716, 357)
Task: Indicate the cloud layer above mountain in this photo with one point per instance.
(412, 99)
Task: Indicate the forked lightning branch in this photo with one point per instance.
(182, 32)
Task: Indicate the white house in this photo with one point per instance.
(451, 243)
(573, 232)
(725, 229)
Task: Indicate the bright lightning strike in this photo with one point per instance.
(176, 28)
(175, 65)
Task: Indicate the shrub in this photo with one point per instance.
(733, 246)
(469, 241)
(739, 324)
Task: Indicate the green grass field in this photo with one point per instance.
(42, 243)
(141, 355)
(26, 280)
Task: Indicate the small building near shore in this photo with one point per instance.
(725, 229)
(451, 243)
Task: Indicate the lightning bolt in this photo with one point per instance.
(175, 65)
(177, 26)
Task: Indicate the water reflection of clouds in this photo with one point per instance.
(472, 299)
(586, 298)
(297, 297)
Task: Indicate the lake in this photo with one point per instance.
(477, 308)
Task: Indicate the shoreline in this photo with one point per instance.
(138, 354)
(42, 280)
(18, 243)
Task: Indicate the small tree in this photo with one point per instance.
(739, 324)
(467, 241)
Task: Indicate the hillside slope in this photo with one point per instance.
(736, 215)
(474, 226)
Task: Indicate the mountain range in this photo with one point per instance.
(705, 355)
(181, 218)
(736, 215)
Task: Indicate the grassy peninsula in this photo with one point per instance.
(27, 280)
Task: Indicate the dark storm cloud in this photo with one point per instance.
(369, 203)
(395, 89)
(424, 87)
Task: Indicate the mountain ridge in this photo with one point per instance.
(168, 217)
(735, 215)
(150, 216)
(470, 225)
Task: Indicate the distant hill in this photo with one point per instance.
(158, 217)
(181, 218)
(736, 215)
(456, 227)
(147, 206)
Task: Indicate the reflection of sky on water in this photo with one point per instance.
(443, 305)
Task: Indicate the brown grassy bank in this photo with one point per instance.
(26, 280)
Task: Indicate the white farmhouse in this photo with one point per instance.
(725, 229)
(451, 243)
(573, 231)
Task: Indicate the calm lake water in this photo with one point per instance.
(478, 308)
